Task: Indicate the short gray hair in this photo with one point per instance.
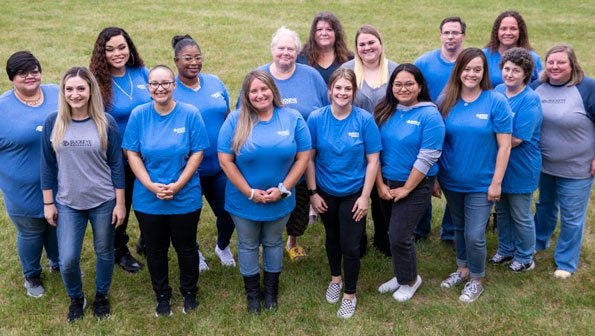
(284, 31)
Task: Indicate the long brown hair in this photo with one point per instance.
(101, 69)
(523, 41)
(342, 53)
(248, 116)
(452, 91)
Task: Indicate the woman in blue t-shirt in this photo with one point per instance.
(474, 157)
(207, 93)
(412, 133)
(164, 142)
(122, 78)
(263, 149)
(516, 228)
(82, 179)
(24, 109)
(340, 176)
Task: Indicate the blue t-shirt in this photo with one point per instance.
(469, 152)
(264, 160)
(341, 148)
(20, 151)
(404, 134)
(524, 164)
(305, 91)
(495, 72)
(436, 71)
(165, 143)
(123, 102)
(212, 102)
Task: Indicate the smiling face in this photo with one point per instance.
(508, 32)
(369, 48)
(557, 68)
(452, 36)
(260, 96)
(27, 82)
(513, 76)
(284, 52)
(341, 93)
(472, 74)
(117, 52)
(406, 89)
(77, 93)
(189, 61)
(161, 86)
(325, 35)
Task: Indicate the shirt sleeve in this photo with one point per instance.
(49, 164)
(302, 134)
(527, 119)
(501, 114)
(132, 134)
(372, 141)
(226, 134)
(313, 120)
(199, 139)
(114, 154)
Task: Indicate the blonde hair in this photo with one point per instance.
(248, 117)
(94, 108)
(383, 62)
(576, 75)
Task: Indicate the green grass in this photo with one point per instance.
(235, 37)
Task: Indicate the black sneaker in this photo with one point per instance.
(163, 307)
(101, 306)
(190, 303)
(128, 263)
(76, 309)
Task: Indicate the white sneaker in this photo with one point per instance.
(225, 256)
(405, 292)
(562, 274)
(389, 287)
(202, 263)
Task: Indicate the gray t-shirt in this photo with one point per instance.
(367, 97)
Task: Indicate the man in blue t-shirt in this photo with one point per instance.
(436, 66)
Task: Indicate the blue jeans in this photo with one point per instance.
(470, 213)
(569, 198)
(447, 231)
(33, 234)
(70, 230)
(213, 188)
(253, 233)
(516, 228)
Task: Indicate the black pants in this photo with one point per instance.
(158, 230)
(380, 223)
(298, 220)
(121, 238)
(213, 189)
(343, 235)
(404, 216)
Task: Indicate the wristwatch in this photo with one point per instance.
(283, 190)
(312, 192)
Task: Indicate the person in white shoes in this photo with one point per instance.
(412, 132)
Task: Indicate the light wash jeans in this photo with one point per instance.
(70, 231)
(253, 233)
(33, 234)
(568, 198)
(516, 228)
(470, 213)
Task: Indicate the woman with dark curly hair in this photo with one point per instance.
(122, 78)
(326, 48)
(509, 30)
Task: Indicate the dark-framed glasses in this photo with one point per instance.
(156, 85)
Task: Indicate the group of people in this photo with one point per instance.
(317, 131)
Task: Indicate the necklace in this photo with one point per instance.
(122, 90)
(31, 102)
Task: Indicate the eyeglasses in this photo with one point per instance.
(25, 74)
(408, 86)
(156, 85)
(189, 59)
(453, 33)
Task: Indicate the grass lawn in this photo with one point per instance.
(235, 38)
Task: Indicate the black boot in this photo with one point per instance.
(271, 290)
(252, 287)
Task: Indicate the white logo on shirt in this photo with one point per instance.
(413, 122)
(483, 116)
(180, 130)
(287, 101)
(283, 133)
(141, 86)
(216, 95)
(353, 134)
(39, 128)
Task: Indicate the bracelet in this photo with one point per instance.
(251, 194)
(49, 203)
(312, 192)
